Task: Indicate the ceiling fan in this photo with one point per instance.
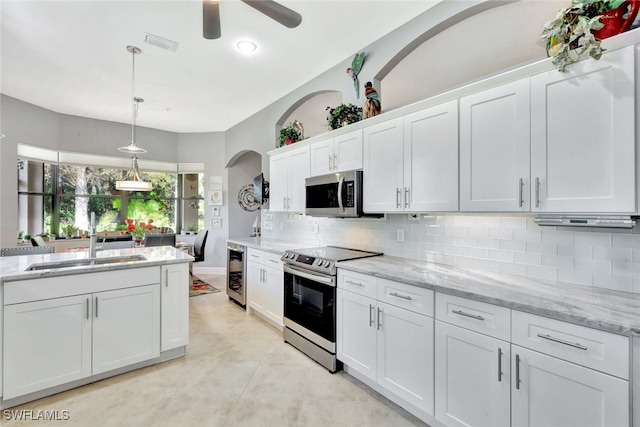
(275, 11)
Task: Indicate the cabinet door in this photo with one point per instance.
(551, 392)
(383, 167)
(255, 285)
(279, 182)
(583, 136)
(472, 378)
(347, 150)
(299, 164)
(274, 292)
(356, 332)
(175, 306)
(126, 327)
(494, 149)
(405, 355)
(47, 343)
(322, 160)
(431, 159)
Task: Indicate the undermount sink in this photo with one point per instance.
(85, 262)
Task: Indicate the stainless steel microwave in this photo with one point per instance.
(336, 194)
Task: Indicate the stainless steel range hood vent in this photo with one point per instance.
(599, 221)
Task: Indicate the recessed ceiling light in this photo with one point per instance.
(160, 42)
(246, 46)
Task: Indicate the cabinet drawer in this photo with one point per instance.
(361, 284)
(272, 260)
(414, 298)
(478, 316)
(255, 255)
(588, 347)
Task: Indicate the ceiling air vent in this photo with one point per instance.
(160, 42)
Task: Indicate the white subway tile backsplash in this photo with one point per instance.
(575, 277)
(591, 238)
(510, 244)
(615, 283)
(612, 254)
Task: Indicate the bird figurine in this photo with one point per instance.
(354, 70)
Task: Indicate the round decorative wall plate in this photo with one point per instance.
(246, 200)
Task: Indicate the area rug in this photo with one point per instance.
(200, 287)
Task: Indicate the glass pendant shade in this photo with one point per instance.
(133, 182)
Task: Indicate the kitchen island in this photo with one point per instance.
(68, 320)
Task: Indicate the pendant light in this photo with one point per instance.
(133, 182)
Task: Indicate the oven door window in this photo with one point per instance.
(311, 305)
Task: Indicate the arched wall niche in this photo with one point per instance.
(311, 112)
(481, 41)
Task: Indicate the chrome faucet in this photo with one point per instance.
(92, 236)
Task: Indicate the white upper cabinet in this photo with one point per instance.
(288, 172)
(383, 173)
(583, 136)
(337, 154)
(431, 159)
(411, 163)
(494, 149)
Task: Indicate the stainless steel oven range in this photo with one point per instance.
(310, 277)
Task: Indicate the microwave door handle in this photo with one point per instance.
(340, 193)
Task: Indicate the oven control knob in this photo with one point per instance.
(318, 262)
(327, 264)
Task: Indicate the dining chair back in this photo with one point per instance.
(28, 250)
(198, 246)
(38, 241)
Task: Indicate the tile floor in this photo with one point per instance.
(237, 372)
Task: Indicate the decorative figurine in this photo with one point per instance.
(354, 70)
(372, 106)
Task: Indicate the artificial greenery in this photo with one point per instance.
(342, 115)
(290, 134)
(569, 36)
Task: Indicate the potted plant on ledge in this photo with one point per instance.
(577, 30)
(291, 134)
(343, 115)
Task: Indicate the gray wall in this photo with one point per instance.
(242, 173)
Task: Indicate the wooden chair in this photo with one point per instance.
(28, 250)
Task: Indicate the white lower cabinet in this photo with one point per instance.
(473, 384)
(390, 345)
(551, 392)
(56, 341)
(174, 295)
(265, 281)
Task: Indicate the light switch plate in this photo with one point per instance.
(400, 235)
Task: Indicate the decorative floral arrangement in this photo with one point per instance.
(291, 134)
(138, 230)
(342, 115)
(570, 35)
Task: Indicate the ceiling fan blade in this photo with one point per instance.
(276, 11)
(211, 20)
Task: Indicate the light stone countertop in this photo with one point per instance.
(275, 246)
(14, 267)
(604, 309)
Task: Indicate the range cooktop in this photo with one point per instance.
(323, 259)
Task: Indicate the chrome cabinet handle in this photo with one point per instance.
(370, 315)
(398, 195)
(274, 261)
(518, 372)
(288, 203)
(284, 202)
(537, 192)
(166, 278)
(380, 311)
(561, 341)
(87, 308)
(408, 298)
(330, 157)
(473, 316)
(407, 193)
(96, 307)
(499, 364)
(353, 283)
(255, 256)
(520, 187)
(335, 162)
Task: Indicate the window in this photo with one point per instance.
(58, 199)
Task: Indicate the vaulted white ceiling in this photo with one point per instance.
(70, 56)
